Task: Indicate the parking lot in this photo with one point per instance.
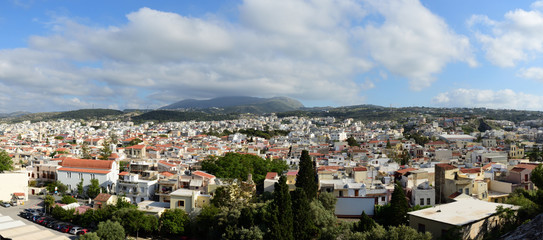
(33, 202)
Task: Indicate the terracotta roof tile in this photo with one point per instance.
(83, 170)
(87, 163)
(102, 197)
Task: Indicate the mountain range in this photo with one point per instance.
(238, 104)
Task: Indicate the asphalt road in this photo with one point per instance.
(33, 202)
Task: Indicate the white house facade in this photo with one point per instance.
(73, 170)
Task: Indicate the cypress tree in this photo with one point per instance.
(307, 176)
(281, 212)
(304, 226)
(365, 224)
(399, 206)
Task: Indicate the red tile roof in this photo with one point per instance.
(525, 165)
(83, 170)
(470, 170)
(167, 163)
(19, 194)
(123, 173)
(271, 175)
(404, 171)
(87, 163)
(360, 169)
(136, 147)
(290, 173)
(167, 174)
(102, 197)
(203, 174)
(445, 166)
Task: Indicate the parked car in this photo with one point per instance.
(47, 220)
(40, 219)
(23, 214)
(6, 204)
(35, 217)
(66, 228)
(59, 225)
(82, 232)
(75, 229)
(51, 224)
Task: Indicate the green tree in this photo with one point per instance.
(134, 220)
(352, 142)
(61, 188)
(94, 189)
(537, 176)
(85, 151)
(307, 176)
(173, 222)
(324, 219)
(365, 224)
(67, 199)
(281, 221)
(80, 188)
(304, 226)
(399, 206)
(48, 202)
(110, 230)
(238, 166)
(89, 236)
(6, 164)
(328, 200)
(105, 151)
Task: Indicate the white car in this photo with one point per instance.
(74, 230)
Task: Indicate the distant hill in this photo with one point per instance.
(238, 104)
(13, 114)
(88, 114)
(176, 116)
(82, 114)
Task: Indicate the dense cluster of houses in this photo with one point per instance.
(161, 169)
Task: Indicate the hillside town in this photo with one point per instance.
(158, 166)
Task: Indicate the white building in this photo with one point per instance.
(423, 195)
(74, 170)
(13, 182)
(136, 189)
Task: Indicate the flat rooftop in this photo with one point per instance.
(461, 212)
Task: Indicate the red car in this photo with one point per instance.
(66, 228)
(82, 231)
(40, 220)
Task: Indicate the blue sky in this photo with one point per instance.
(71, 54)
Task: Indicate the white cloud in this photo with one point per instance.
(500, 99)
(368, 84)
(534, 73)
(518, 37)
(413, 42)
(310, 50)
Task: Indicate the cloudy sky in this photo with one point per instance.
(58, 55)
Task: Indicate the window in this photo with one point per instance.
(80, 175)
(69, 175)
(427, 201)
(466, 191)
(92, 176)
(181, 203)
(341, 193)
(382, 199)
(422, 228)
(421, 202)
